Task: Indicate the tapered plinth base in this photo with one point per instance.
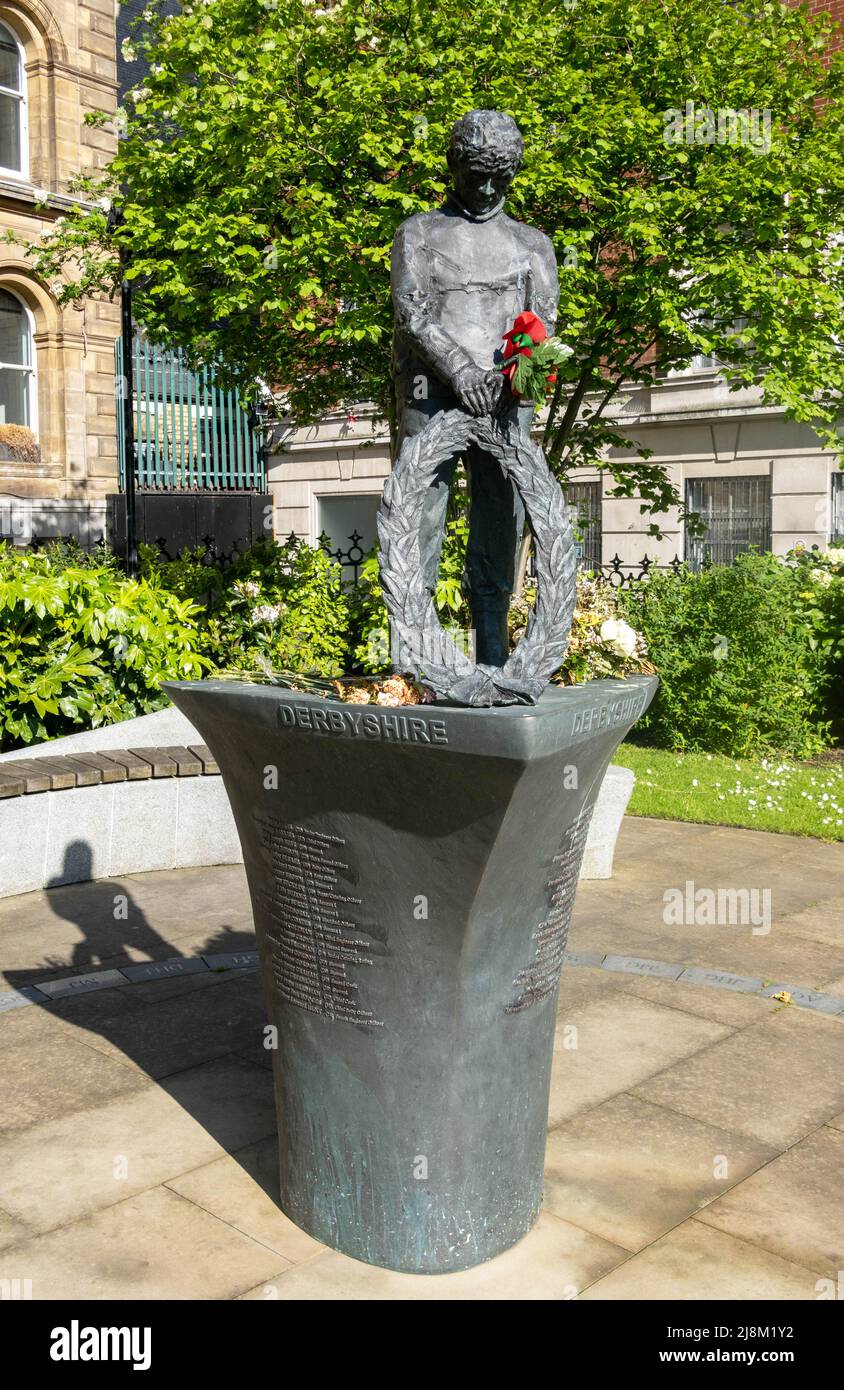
(412, 874)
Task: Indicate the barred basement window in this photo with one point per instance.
(13, 139)
(584, 501)
(737, 515)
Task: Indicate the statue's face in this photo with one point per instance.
(480, 190)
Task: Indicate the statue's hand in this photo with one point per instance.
(477, 390)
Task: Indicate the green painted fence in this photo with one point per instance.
(190, 434)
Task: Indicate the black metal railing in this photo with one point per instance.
(621, 573)
(617, 572)
(351, 558)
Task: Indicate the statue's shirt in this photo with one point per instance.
(481, 282)
(458, 284)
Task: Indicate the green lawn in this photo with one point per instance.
(795, 798)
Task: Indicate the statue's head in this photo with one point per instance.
(484, 155)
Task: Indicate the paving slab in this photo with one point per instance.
(153, 1246)
(695, 1263)
(629, 1171)
(177, 1033)
(580, 984)
(242, 1190)
(777, 956)
(60, 1171)
(822, 921)
(45, 1077)
(606, 921)
(669, 1081)
(774, 1081)
(793, 1206)
(70, 1016)
(612, 1042)
(12, 1232)
(730, 1007)
(168, 890)
(76, 931)
(156, 991)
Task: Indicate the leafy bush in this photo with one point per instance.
(820, 575)
(276, 606)
(83, 646)
(279, 606)
(65, 552)
(189, 576)
(740, 671)
(750, 657)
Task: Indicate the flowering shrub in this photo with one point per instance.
(279, 606)
(750, 656)
(820, 579)
(601, 645)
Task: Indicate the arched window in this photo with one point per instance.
(13, 142)
(17, 363)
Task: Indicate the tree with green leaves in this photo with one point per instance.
(685, 158)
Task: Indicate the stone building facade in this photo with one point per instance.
(57, 62)
(755, 478)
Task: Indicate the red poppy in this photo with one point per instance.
(527, 329)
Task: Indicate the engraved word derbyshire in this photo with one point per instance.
(398, 728)
(606, 716)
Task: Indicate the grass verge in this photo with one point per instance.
(773, 794)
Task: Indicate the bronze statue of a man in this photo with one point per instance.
(460, 276)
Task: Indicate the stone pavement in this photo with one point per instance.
(696, 1138)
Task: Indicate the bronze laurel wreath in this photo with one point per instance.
(418, 642)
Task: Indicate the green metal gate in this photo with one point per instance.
(190, 434)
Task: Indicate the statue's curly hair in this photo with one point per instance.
(488, 140)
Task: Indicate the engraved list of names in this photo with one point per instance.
(315, 940)
(539, 979)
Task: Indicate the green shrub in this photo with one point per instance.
(189, 576)
(820, 576)
(278, 606)
(739, 670)
(65, 552)
(750, 657)
(81, 645)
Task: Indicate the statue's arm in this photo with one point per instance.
(415, 308)
(545, 297)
